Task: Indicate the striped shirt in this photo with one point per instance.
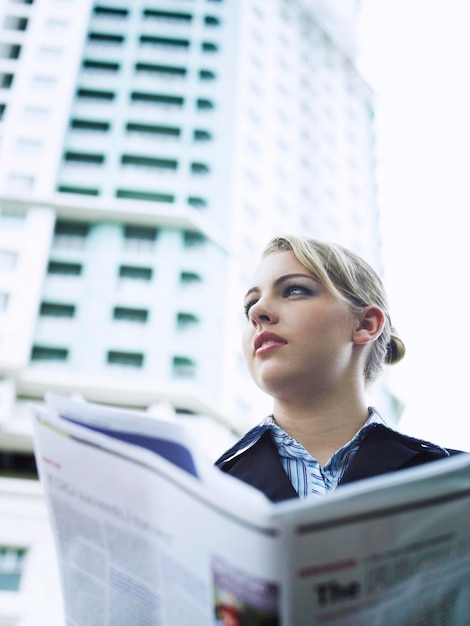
(305, 473)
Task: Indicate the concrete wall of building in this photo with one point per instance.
(287, 145)
(25, 526)
(25, 237)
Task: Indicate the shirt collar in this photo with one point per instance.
(253, 435)
(290, 448)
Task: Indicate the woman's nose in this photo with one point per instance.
(262, 313)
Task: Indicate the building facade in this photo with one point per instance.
(148, 151)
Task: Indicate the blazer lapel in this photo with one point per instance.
(384, 450)
(260, 466)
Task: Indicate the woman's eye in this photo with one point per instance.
(247, 306)
(296, 290)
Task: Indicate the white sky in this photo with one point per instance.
(416, 56)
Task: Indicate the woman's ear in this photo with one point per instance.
(370, 323)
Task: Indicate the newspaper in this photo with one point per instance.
(148, 532)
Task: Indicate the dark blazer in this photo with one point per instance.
(382, 451)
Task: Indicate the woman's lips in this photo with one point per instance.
(265, 341)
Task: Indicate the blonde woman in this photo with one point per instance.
(318, 332)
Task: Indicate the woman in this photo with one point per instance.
(318, 332)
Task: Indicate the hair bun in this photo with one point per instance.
(395, 349)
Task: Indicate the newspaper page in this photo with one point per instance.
(143, 541)
(145, 538)
(389, 551)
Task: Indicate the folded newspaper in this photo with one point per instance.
(148, 532)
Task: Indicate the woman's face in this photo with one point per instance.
(298, 337)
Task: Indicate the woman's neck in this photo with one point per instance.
(322, 427)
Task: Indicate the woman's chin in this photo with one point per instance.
(276, 383)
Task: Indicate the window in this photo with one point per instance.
(206, 75)
(75, 229)
(103, 67)
(95, 95)
(90, 125)
(148, 196)
(8, 259)
(186, 321)
(12, 560)
(128, 359)
(53, 309)
(36, 115)
(15, 465)
(84, 157)
(43, 83)
(57, 25)
(130, 315)
(4, 297)
(140, 233)
(2, 110)
(170, 43)
(9, 51)
(149, 162)
(49, 53)
(6, 80)
(168, 16)
(135, 273)
(183, 411)
(45, 353)
(193, 239)
(196, 202)
(156, 98)
(199, 168)
(211, 20)
(28, 147)
(139, 238)
(60, 268)
(71, 234)
(202, 104)
(208, 46)
(110, 12)
(106, 38)
(152, 130)
(14, 22)
(83, 191)
(20, 182)
(12, 217)
(202, 135)
(189, 278)
(161, 71)
(183, 367)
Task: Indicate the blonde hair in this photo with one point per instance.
(348, 276)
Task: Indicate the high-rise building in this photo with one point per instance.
(148, 151)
